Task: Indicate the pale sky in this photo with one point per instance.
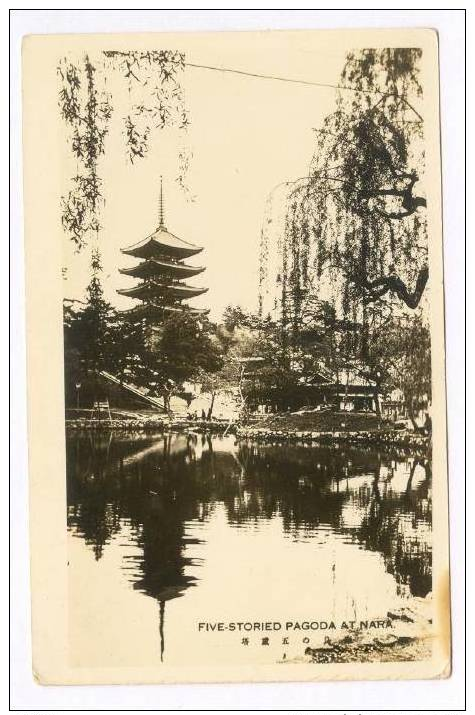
(247, 135)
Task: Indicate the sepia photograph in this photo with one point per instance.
(242, 247)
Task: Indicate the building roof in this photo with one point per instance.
(347, 376)
(156, 267)
(153, 310)
(355, 377)
(150, 288)
(161, 243)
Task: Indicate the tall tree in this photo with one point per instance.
(355, 229)
(92, 334)
(183, 348)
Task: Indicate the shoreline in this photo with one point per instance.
(369, 438)
(407, 637)
(385, 437)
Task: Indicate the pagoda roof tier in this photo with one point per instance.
(151, 288)
(155, 267)
(160, 243)
(152, 310)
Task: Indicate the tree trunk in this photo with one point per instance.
(377, 288)
(376, 401)
(410, 412)
(411, 476)
(241, 394)
(210, 411)
(166, 402)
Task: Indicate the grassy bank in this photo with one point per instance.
(359, 429)
(325, 421)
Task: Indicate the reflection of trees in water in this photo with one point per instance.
(92, 505)
(308, 488)
(396, 524)
(156, 485)
(288, 481)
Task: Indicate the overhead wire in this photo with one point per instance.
(283, 79)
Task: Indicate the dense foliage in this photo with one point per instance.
(159, 360)
(355, 228)
(352, 235)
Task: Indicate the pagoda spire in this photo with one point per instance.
(160, 210)
(163, 272)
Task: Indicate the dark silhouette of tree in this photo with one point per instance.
(160, 359)
(403, 353)
(91, 336)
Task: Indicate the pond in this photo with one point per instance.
(171, 534)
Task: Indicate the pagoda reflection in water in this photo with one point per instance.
(158, 485)
(160, 492)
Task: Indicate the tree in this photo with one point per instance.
(403, 355)
(186, 348)
(354, 231)
(236, 337)
(368, 170)
(259, 361)
(160, 360)
(92, 335)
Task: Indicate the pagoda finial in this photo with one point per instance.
(161, 224)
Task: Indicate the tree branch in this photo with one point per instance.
(380, 286)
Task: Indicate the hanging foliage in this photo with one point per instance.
(86, 110)
(155, 101)
(156, 97)
(356, 227)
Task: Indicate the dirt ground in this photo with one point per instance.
(407, 637)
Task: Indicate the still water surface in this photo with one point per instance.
(169, 531)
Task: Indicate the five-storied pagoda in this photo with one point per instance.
(163, 273)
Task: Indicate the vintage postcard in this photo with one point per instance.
(236, 380)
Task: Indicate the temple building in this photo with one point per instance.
(163, 273)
